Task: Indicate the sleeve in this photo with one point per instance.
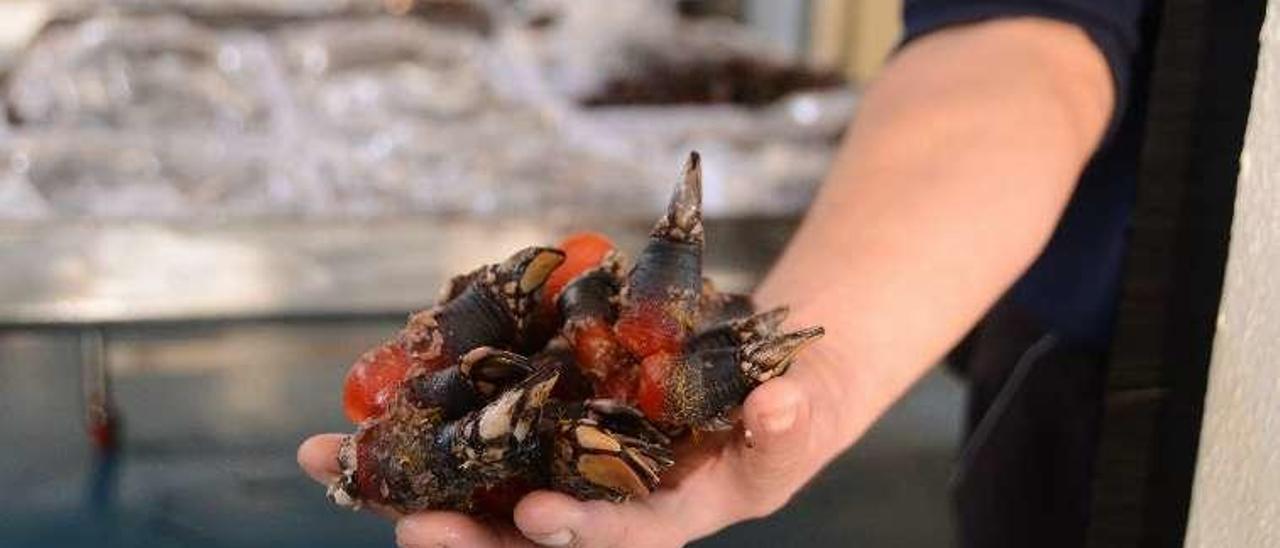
(1114, 25)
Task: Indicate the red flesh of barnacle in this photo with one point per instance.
(621, 384)
(650, 389)
(647, 329)
(372, 381)
(367, 473)
(582, 251)
(602, 359)
(609, 355)
(596, 349)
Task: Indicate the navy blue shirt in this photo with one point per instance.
(1073, 286)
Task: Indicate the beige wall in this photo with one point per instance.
(1236, 499)
(855, 35)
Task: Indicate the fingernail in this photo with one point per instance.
(779, 421)
(563, 537)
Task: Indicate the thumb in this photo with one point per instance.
(555, 519)
(772, 462)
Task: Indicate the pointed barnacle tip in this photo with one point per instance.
(812, 333)
(791, 343)
(496, 420)
(689, 190)
(542, 390)
(683, 220)
(695, 160)
(771, 357)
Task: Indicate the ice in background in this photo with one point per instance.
(246, 112)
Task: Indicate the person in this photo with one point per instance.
(990, 168)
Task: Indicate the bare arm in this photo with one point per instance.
(951, 181)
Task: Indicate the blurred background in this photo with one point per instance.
(209, 208)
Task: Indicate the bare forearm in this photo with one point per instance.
(950, 182)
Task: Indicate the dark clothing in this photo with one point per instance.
(1024, 473)
(1114, 25)
(1036, 363)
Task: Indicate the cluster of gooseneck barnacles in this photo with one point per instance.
(558, 369)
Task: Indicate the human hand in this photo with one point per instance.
(723, 479)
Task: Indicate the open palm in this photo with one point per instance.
(721, 479)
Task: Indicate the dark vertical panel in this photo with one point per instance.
(1200, 93)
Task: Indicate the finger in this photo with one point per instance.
(555, 519)
(453, 530)
(318, 456)
(776, 417)
(548, 519)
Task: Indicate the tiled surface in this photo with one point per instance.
(213, 415)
